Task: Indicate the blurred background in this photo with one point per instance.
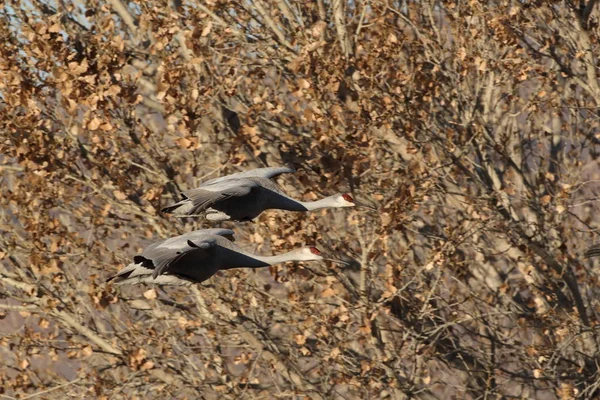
(472, 125)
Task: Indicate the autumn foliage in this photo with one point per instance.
(472, 125)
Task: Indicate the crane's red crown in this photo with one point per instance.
(314, 250)
(347, 197)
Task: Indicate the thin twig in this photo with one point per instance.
(52, 389)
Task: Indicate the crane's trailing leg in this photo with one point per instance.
(214, 215)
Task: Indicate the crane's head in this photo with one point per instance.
(346, 200)
(314, 254)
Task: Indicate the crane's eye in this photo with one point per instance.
(347, 197)
(314, 250)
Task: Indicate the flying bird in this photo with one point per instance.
(245, 195)
(196, 256)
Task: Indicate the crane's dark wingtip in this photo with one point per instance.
(169, 210)
(593, 251)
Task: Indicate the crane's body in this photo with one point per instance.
(245, 195)
(196, 256)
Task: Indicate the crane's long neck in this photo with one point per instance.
(297, 205)
(279, 258)
(249, 260)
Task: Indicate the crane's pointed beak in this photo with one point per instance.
(364, 205)
(336, 260)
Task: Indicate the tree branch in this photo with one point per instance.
(122, 11)
(339, 20)
(586, 12)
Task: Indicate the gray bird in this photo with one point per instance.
(196, 256)
(245, 195)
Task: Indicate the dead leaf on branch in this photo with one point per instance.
(119, 195)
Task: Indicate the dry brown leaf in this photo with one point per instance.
(305, 352)
(106, 126)
(206, 29)
(87, 351)
(182, 322)
(113, 90)
(335, 353)
(300, 339)
(78, 68)
(318, 29)
(94, 124)
(147, 365)
(184, 142)
(55, 28)
(545, 200)
(119, 195)
(303, 83)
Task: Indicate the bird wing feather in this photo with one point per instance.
(269, 172)
(268, 184)
(207, 195)
(197, 250)
(179, 243)
(163, 252)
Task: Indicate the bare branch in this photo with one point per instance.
(122, 11)
(272, 25)
(339, 19)
(587, 11)
(68, 320)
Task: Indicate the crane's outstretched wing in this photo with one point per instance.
(178, 242)
(194, 252)
(269, 172)
(208, 195)
(163, 254)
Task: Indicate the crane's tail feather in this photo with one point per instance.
(139, 268)
(121, 277)
(144, 275)
(213, 215)
(182, 207)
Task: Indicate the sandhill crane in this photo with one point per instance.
(243, 196)
(196, 256)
